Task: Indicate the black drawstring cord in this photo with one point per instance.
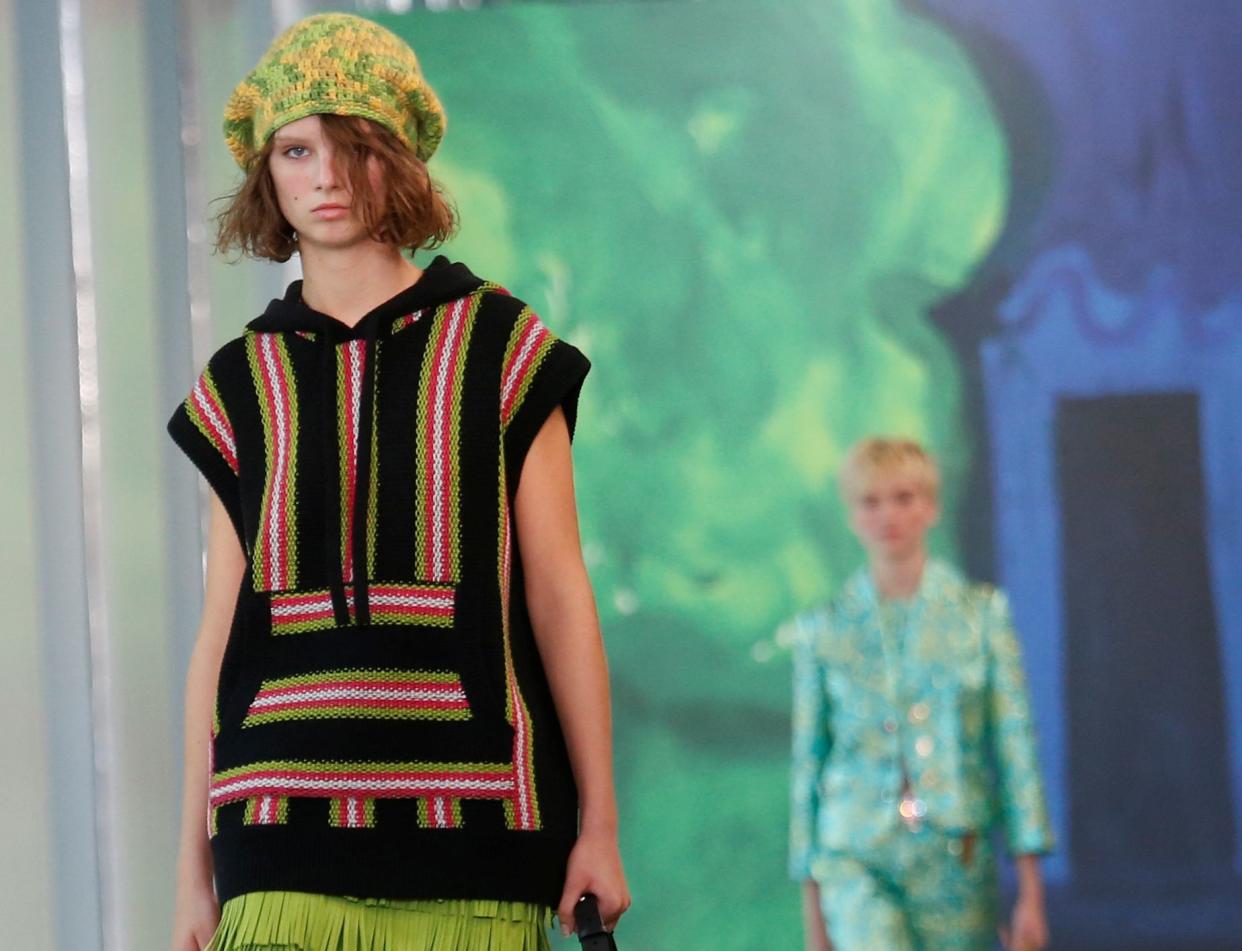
(366, 434)
(332, 479)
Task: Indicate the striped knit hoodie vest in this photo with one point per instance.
(383, 726)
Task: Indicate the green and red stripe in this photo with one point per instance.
(352, 812)
(522, 809)
(350, 364)
(360, 694)
(276, 541)
(415, 604)
(266, 811)
(206, 412)
(342, 780)
(437, 469)
(439, 812)
(408, 320)
(529, 345)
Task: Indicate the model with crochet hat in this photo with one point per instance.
(397, 716)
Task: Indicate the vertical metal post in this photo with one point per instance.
(103, 719)
(57, 446)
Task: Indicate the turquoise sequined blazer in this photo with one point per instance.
(944, 689)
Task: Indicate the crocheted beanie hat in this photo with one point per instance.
(334, 63)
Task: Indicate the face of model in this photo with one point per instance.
(891, 515)
(313, 193)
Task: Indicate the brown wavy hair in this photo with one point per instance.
(414, 213)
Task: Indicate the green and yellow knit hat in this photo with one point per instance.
(334, 63)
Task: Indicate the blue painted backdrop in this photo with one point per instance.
(1102, 342)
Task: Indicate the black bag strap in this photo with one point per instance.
(591, 927)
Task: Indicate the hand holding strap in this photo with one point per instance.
(591, 927)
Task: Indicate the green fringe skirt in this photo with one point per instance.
(297, 921)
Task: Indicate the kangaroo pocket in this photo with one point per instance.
(367, 718)
(418, 660)
(413, 624)
(363, 712)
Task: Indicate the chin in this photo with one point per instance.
(334, 242)
(897, 550)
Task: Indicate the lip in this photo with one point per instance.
(329, 211)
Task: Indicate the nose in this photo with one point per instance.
(327, 171)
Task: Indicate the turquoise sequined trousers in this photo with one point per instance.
(919, 890)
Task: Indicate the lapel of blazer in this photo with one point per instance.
(860, 617)
(939, 591)
(940, 595)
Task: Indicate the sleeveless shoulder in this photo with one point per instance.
(203, 424)
(539, 372)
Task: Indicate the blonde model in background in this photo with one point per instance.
(912, 738)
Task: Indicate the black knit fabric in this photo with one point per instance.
(383, 725)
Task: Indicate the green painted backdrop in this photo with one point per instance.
(741, 212)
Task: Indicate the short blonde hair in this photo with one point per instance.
(885, 455)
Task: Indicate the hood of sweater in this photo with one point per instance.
(348, 359)
(441, 281)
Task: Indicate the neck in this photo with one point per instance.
(898, 576)
(346, 283)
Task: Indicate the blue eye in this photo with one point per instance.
(294, 148)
